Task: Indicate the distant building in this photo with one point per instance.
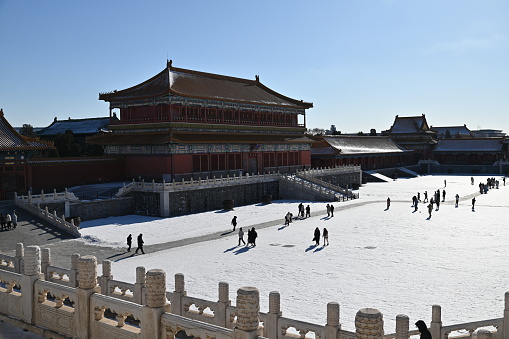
(452, 132)
(183, 123)
(413, 133)
(470, 151)
(488, 133)
(15, 152)
(370, 152)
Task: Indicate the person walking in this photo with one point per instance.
(287, 219)
(254, 235)
(325, 235)
(430, 209)
(129, 242)
(425, 196)
(423, 329)
(317, 236)
(308, 211)
(443, 195)
(331, 210)
(457, 197)
(234, 222)
(388, 202)
(14, 219)
(2, 221)
(473, 203)
(438, 203)
(8, 220)
(328, 210)
(140, 244)
(241, 236)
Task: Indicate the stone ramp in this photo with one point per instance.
(379, 176)
(406, 170)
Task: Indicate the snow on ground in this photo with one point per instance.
(395, 260)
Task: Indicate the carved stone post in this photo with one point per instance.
(222, 303)
(155, 300)
(180, 291)
(32, 273)
(402, 326)
(18, 258)
(333, 325)
(105, 277)
(483, 334)
(164, 198)
(87, 285)
(73, 274)
(369, 324)
(271, 328)
(248, 309)
(139, 285)
(436, 322)
(506, 316)
(45, 261)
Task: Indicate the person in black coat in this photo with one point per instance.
(317, 236)
(423, 329)
(254, 235)
(140, 244)
(129, 242)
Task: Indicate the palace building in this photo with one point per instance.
(188, 124)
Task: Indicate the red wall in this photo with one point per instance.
(63, 173)
(152, 166)
(305, 157)
(183, 163)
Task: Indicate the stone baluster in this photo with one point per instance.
(483, 334)
(402, 326)
(54, 194)
(333, 325)
(154, 304)
(222, 303)
(73, 274)
(248, 309)
(46, 212)
(32, 273)
(271, 329)
(18, 258)
(436, 322)
(139, 285)
(30, 197)
(45, 262)
(106, 276)
(369, 324)
(506, 316)
(180, 291)
(42, 195)
(87, 285)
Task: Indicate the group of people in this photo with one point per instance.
(8, 221)
(140, 243)
(330, 210)
(302, 209)
(325, 236)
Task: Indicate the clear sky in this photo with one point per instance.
(360, 62)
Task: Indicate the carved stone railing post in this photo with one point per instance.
(18, 258)
(333, 325)
(45, 262)
(73, 274)
(402, 326)
(180, 291)
(436, 322)
(106, 276)
(155, 300)
(270, 327)
(222, 303)
(506, 316)
(248, 309)
(32, 273)
(139, 285)
(369, 324)
(87, 285)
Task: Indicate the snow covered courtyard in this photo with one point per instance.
(397, 260)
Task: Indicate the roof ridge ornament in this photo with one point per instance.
(257, 78)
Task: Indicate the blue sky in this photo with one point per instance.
(360, 62)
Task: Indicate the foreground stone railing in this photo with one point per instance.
(93, 308)
(48, 197)
(44, 214)
(326, 190)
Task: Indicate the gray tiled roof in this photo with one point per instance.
(362, 145)
(454, 130)
(465, 145)
(409, 124)
(10, 140)
(77, 126)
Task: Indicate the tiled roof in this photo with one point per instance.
(194, 84)
(191, 138)
(465, 145)
(415, 124)
(345, 145)
(10, 140)
(77, 126)
(454, 130)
